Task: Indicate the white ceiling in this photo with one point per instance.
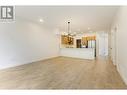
(98, 18)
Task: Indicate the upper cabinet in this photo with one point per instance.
(66, 40)
(88, 38)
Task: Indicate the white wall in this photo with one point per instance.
(24, 41)
(121, 41)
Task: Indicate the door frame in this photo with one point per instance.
(114, 46)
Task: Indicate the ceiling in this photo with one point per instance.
(97, 18)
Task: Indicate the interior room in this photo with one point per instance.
(64, 47)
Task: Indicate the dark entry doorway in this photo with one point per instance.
(78, 43)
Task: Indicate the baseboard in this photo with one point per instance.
(121, 74)
(28, 62)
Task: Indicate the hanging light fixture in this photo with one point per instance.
(69, 31)
(69, 35)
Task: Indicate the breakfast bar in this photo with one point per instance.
(84, 53)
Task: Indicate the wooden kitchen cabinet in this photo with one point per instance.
(66, 40)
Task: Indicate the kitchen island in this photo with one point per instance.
(84, 53)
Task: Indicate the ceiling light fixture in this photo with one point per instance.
(88, 28)
(41, 20)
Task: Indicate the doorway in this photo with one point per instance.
(78, 43)
(103, 44)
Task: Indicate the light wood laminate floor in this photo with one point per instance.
(63, 73)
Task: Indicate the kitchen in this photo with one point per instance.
(78, 46)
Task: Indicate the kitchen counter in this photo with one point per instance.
(84, 53)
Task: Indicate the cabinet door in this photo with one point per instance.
(62, 40)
